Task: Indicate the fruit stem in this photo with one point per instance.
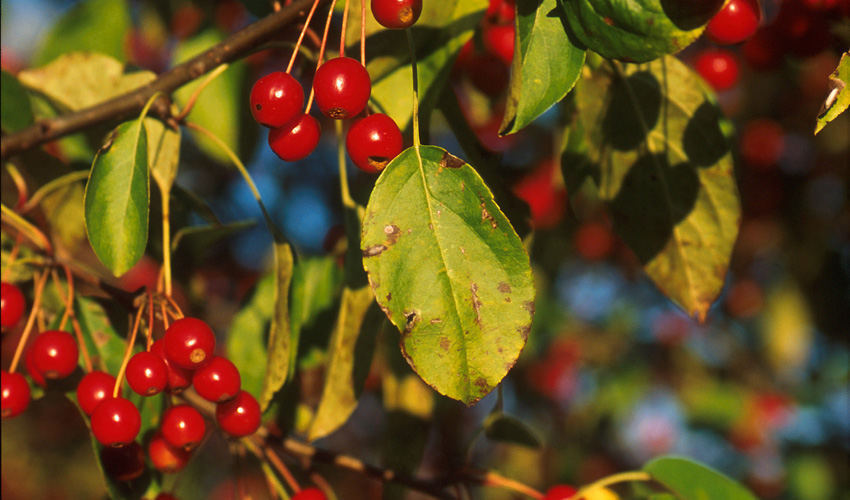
(26, 229)
(622, 477)
(363, 36)
(20, 184)
(13, 254)
(127, 353)
(415, 118)
(166, 242)
(276, 489)
(345, 194)
(51, 186)
(321, 51)
(149, 340)
(301, 36)
(342, 32)
(278, 464)
(493, 479)
(194, 97)
(69, 314)
(36, 303)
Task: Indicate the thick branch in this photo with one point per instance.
(131, 103)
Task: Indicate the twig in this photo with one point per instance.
(124, 106)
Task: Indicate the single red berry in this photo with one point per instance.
(736, 22)
(372, 142)
(115, 422)
(297, 139)
(124, 463)
(15, 394)
(762, 143)
(147, 373)
(546, 201)
(240, 416)
(594, 241)
(166, 458)
(12, 304)
(310, 494)
(276, 99)
(560, 492)
(94, 388)
(499, 40)
(342, 87)
(34, 374)
(189, 343)
(396, 14)
(55, 354)
(183, 427)
(718, 67)
(218, 380)
(178, 378)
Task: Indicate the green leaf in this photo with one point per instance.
(201, 237)
(688, 480)
(117, 198)
(218, 107)
(79, 80)
(546, 64)
(442, 29)
(15, 110)
(163, 153)
(277, 364)
(838, 98)
(638, 30)
(105, 346)
(315, 286)
(508, 429)
(246, 341)
(664, 167)
(466, 311)
(91, 25)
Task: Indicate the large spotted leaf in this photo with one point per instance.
(449, 271)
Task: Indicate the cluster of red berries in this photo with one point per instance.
(735, 23)
(486, 61)
(342, 88)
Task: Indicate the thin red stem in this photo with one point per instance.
(322, 50)
(36, 303)
(127, 353)
(342, 32)
(301, 36)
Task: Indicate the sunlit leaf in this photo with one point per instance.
(787, 329)
(163, 153)
(466, 311)
(15, 109)
(91, 25)
(277, 364)
(688, 480)
(246, 339)
(117, 198)
(664, 167)
(838, 98)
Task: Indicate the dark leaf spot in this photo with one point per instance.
(374, 250)
(504, 287)
(451, 161)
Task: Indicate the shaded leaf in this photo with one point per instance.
(664, 167)
(466, 312)
(91, 25)
(105, 345)
(201, 237)
(838, 98)
(546, 64)
(15, 109)
(117, 197)
(639, 30)
(508, 429)
(277, 364)
(246, 341)
(688, 480)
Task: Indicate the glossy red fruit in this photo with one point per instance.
(736, 22)
(297, 139)
(55, 354)
(218, 380)
(189, 343)
(372, 142)
(240, 416)
(147, 373)
(94, 388)
(310, 494)
(560, 492)
(342, 87)
(276, 99)
(165, 457)
(499, 40)
(396, 14)
(183, 427)
(124, 463)
(15, 394)
(179, 378)
(12, 304)
(718, 67)
(116, 422)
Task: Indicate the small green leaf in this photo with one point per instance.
(246, 341)
(117, 198)
(466, 312)
(688, 480)
(91, 25)
(105, 346)
(15, 109)
(546, 64)
(838, 98)
(664, 167)
(163, 153)
(507, 429)
(638, 30)
(277, 364)
(315, 286)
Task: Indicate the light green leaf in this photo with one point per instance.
(91, 25)
(315, 286)
(508, 429)
(117, 197)
(277, 364)
(219, 105)
(664, 168)
(15, 109)
(466, 311)
(246, 341)
(638, 30)
(838, 98)
(688, 480)
(546, 64)
(163, 153)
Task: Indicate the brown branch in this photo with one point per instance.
(124, 106)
